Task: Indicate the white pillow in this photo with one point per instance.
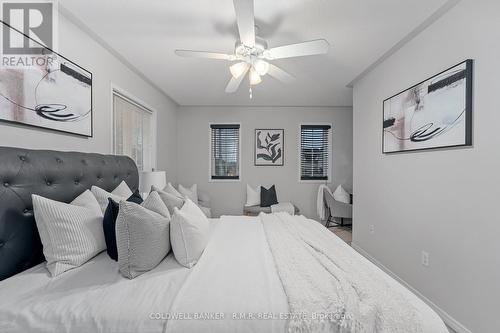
(170, 189)
(191, 193)
(121, 192)
(206, 210)
(341, 195)
(253, 196)
(72, 233)
(189, 230)
(169, 199)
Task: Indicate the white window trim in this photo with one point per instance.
(210, 180)
(115, 89)
(330, 155)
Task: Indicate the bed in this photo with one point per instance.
(239, 284)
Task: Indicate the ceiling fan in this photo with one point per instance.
(252, 55)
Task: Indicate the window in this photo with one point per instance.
(225, 151)
(314, 152)
(132, 131)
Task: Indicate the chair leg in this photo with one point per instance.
(329, 219)
(331, 222)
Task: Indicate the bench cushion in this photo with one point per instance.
(256, 210)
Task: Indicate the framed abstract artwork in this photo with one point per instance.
(47, 91)
(435, 113)
(269, 147)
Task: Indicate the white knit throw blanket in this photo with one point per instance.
(329, 289)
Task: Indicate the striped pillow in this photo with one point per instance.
(71, 234)
(142, 235)
(170, 189)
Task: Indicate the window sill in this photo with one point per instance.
(210, 180)
(315, 181)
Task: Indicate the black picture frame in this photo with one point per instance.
(49, 50)
(282, 158)
(469, 64)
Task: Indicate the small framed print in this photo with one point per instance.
(269, 147)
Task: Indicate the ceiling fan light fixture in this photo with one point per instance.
(238, 69)
(261, 67)
(254, 77)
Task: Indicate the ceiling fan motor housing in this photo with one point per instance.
(245, 52)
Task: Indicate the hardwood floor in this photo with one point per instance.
(345, 233)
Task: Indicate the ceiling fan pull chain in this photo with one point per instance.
(250, 92)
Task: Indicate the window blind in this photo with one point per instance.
(314, 155)
(225, 152)
(132, 131)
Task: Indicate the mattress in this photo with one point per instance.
(233, 288)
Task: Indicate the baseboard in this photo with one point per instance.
(448, 320)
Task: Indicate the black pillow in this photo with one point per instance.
(135, 198)
(268, 197)
(109, 223)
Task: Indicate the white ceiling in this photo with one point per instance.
(147, 32)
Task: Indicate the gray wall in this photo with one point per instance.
(446, 201)
(78, 46)
(228, 198)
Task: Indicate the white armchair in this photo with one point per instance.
(336, 209)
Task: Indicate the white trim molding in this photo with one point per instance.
(63, 11)
(117, 90)
(440, 12)
(448, 319)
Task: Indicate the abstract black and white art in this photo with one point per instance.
(46, 91)
(269, 147)
(435, 113)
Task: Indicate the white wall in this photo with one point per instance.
(228, 198)
(446, 201)
(79, 47)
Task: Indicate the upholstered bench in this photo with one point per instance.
(256, 210)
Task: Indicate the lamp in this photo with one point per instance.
(261, 67)
(238, 69)
(254, 77)
(151, 178)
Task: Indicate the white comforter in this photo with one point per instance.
(91, 298)
(235, 287)
(236, 276)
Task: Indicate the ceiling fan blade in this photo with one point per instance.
(312, 47)
(280, 74)
(246, 21)
(234, 83)
(203, 54)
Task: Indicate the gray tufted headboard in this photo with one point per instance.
(56, 175)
